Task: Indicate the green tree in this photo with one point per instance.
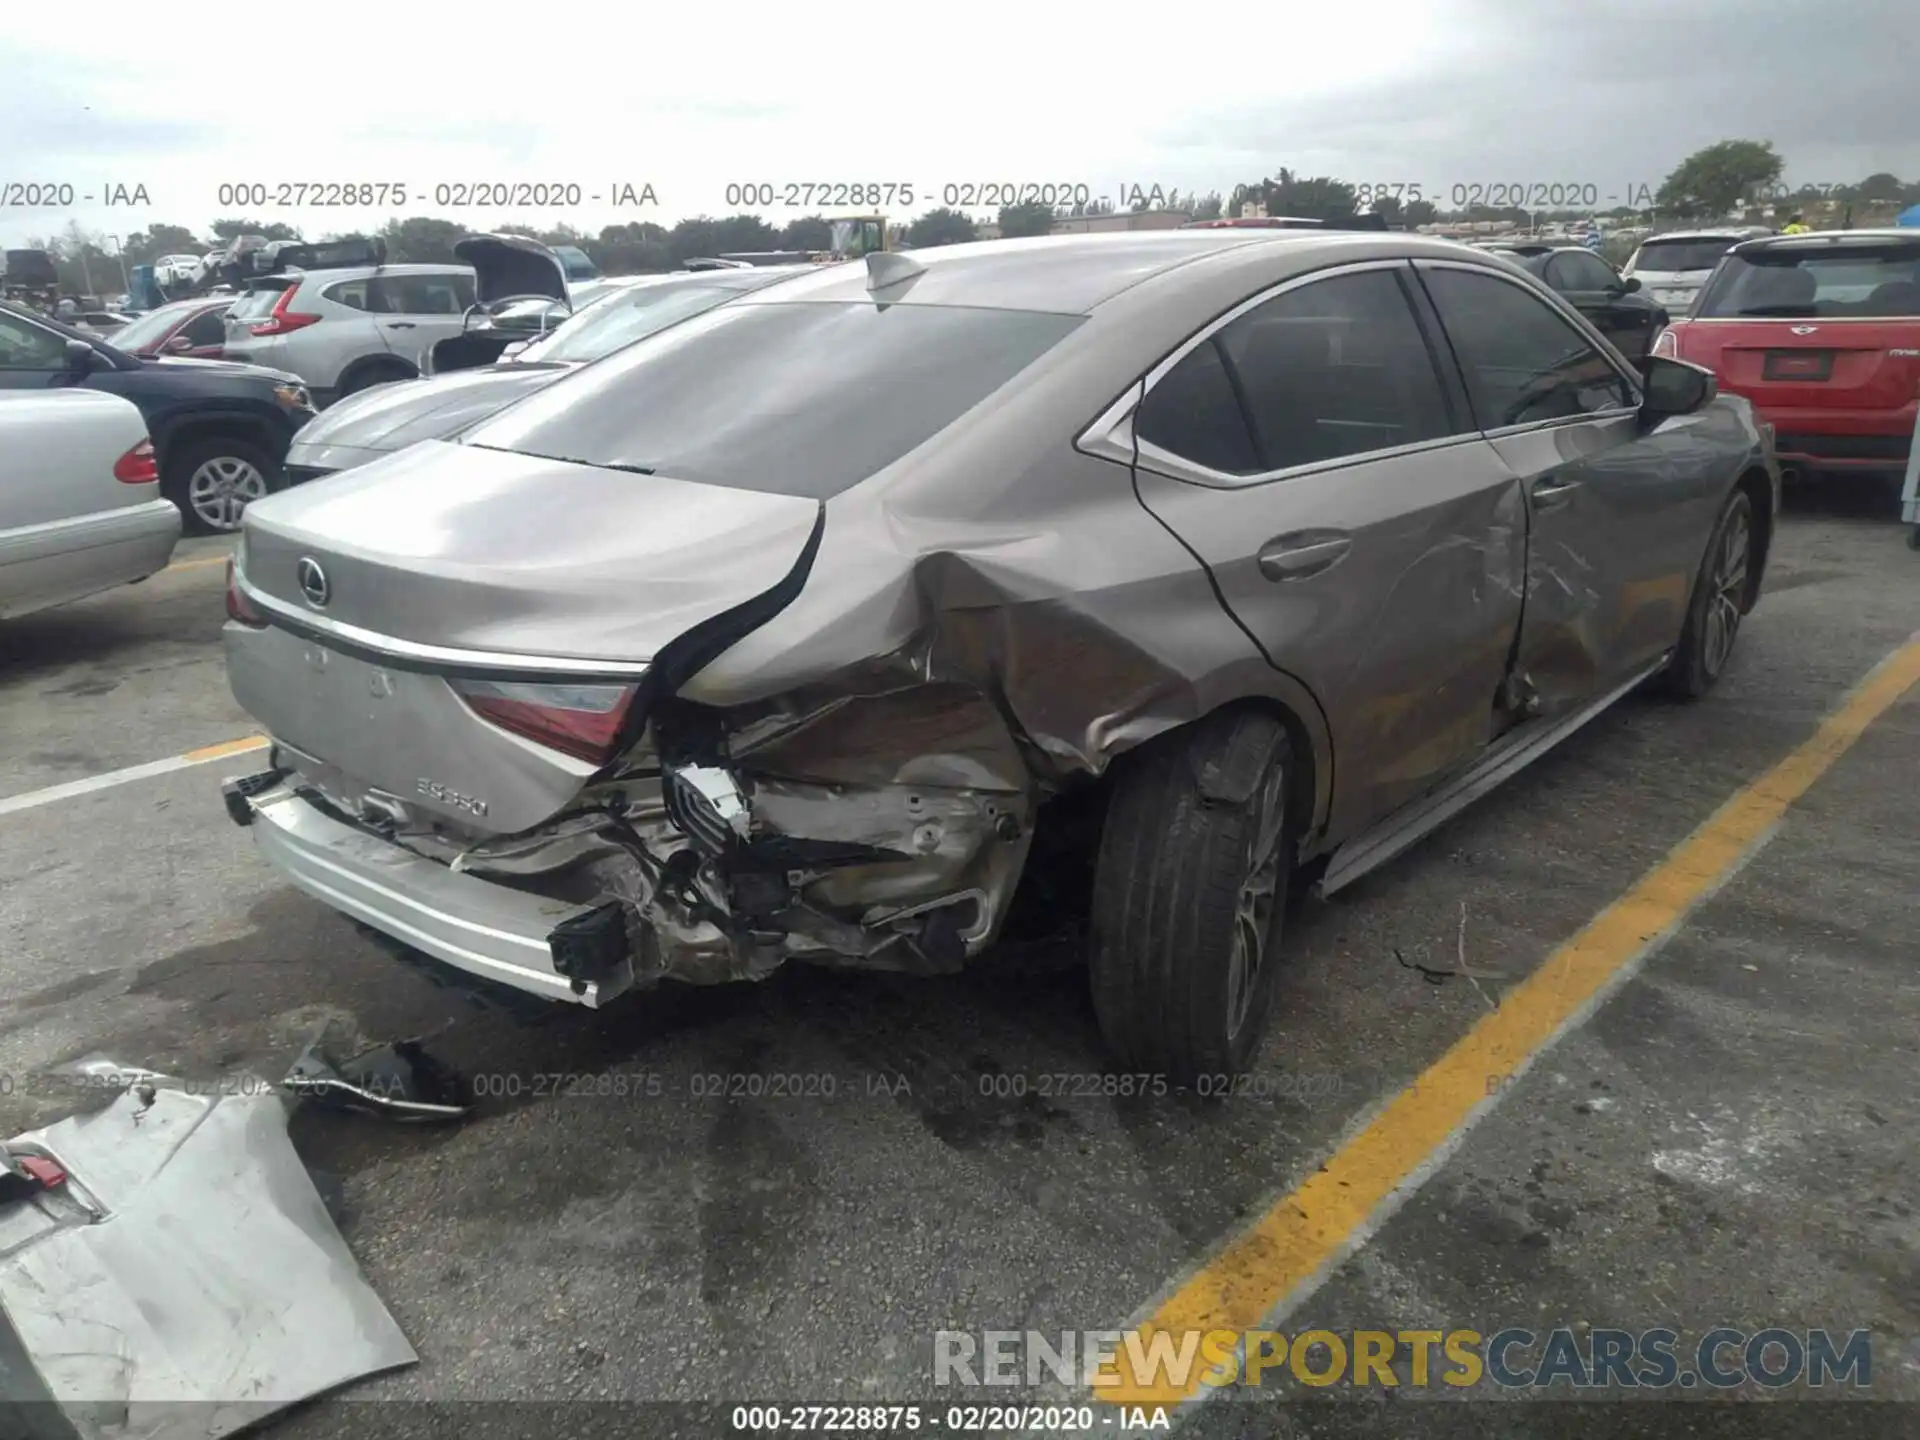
(1389, 209)
(1419, 212)
(940, 227)
(1719, 178)
(228, 230)
(422, 240)
(1032, 218)
(143, 247)
(1316, 197)
(1881, 186)
(1205, 207)
(809, 232)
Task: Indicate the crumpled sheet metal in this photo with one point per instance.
(212, 1291)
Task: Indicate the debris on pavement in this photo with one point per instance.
(399, 1081)
(167, 1270)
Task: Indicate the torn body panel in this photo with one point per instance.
(185, 1279)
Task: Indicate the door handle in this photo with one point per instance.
(1550, 492)
(400, 325)
(1295, 557)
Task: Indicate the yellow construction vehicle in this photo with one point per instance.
(857, 235)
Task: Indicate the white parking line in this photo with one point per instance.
(35, 798)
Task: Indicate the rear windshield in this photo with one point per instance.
(1882, 281)
(1668, 257)
(150, 328)
(796, 399)
(255, 304)
(620, 319)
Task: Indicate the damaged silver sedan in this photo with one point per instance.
(810, 628)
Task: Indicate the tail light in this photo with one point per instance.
(583, 721)
(137, 466)
(280, 319)
(1667, 343)
(238, 607)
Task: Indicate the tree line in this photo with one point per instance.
(1728, 179)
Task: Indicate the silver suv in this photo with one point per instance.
(345, 329)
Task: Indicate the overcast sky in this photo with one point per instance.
(1198, 95)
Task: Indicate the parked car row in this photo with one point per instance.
(1134, 571)
(1612, 301)
(220, 431)
(1821, 332)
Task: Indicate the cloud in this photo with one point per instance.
(1612, 93)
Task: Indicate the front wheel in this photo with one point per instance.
(1719, 603)
(1189, 890)
(214, 480)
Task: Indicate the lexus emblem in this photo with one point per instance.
(1805, 329)
(313, 582)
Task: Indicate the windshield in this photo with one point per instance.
(1856, 281)
(255, 304)
(796, 399)
(618, 320)
(1666, 257)
(151, 328)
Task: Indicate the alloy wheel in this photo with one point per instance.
(1256, 907)
(221, 489)
(1729, 588)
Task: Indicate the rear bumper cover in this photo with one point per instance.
(487, 930)
(1840, 439)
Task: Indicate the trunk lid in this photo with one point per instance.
(455, 547)
(1856, 365)
(560, 575)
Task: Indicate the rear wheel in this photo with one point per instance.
(1189, 891)
(214, 480)
(1719, 604)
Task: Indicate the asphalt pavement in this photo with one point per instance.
(782, 1192)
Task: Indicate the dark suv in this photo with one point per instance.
(219, 430)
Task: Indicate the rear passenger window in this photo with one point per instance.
(1193, 413)
(1335, 368)
(420, 294)
(1331, 369)
(351, 293)
(1524, 363)
(207, 328)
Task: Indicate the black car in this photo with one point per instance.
(1593, 287)
(220, 430)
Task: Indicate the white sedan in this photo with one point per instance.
(80, 506)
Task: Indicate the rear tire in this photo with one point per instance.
(1719, 602)
(1189, 891)
(213, 480)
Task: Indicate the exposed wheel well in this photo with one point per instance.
(358, 372)
(189, 432)
(1759, 488)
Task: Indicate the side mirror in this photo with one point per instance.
(1675, 387)
(1630, 285)
(178, 345)
(80, 358)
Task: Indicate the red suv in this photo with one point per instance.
(1821, 332)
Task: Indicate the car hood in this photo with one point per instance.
(454, 547)
(222, 367)
(392, 417)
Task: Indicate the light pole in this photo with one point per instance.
(120, 254)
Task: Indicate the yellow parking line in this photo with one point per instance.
(1291, 1248)
(225, 747)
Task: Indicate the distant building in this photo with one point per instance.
(1128, 220)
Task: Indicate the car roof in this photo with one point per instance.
(1814, 241)
(1070, 274)
(356, 272)
(1730, 232)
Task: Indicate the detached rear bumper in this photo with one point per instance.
(487, 930)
